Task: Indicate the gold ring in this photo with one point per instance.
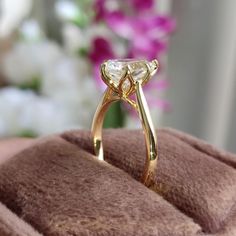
(126, 77)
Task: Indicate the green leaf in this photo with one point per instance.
(83, 52)
(34, 84)
(85, 13)
(27, 133)
(115, 116)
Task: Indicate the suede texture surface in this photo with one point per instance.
(57, 187)
(12, 225)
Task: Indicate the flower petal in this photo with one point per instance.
(142, 5)
(120, 24)
(101, 50)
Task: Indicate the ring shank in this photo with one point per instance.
(150, 135)
(98, 119)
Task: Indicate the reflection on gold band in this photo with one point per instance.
(114, 93)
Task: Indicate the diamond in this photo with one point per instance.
(116, 70)
(153, 66)
(126, 85)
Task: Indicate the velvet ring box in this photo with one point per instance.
(56, 186)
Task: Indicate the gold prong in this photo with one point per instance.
(148, 75)
(156, 63)
(127, 75)
(131, 102)
(106, 79)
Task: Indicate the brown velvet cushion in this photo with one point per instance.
(12, 225)
(59, 187)
(199, 184)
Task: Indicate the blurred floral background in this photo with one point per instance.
(50, 52)
(50, 72)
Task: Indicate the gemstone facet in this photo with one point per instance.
(136, 70)
(116, 69)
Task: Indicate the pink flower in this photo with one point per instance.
(100, 10)
(144, 31)
(154, 86)
(146, 34)
(134, 6)
(160, 84)
(131, 26)
(101, 50)
(161, 104)
(142, 5)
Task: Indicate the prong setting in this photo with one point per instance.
(121, 75)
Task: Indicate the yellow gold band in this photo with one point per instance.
(114, 93)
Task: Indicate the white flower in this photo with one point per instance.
(63, 81)
(31, 30)
(28, 60)
(12, 13)
(99, 30)
(27, 111)
(66, 10)
(69, 84)
(73, 37)
(44, 116)
(12, 102)
(68, 93)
